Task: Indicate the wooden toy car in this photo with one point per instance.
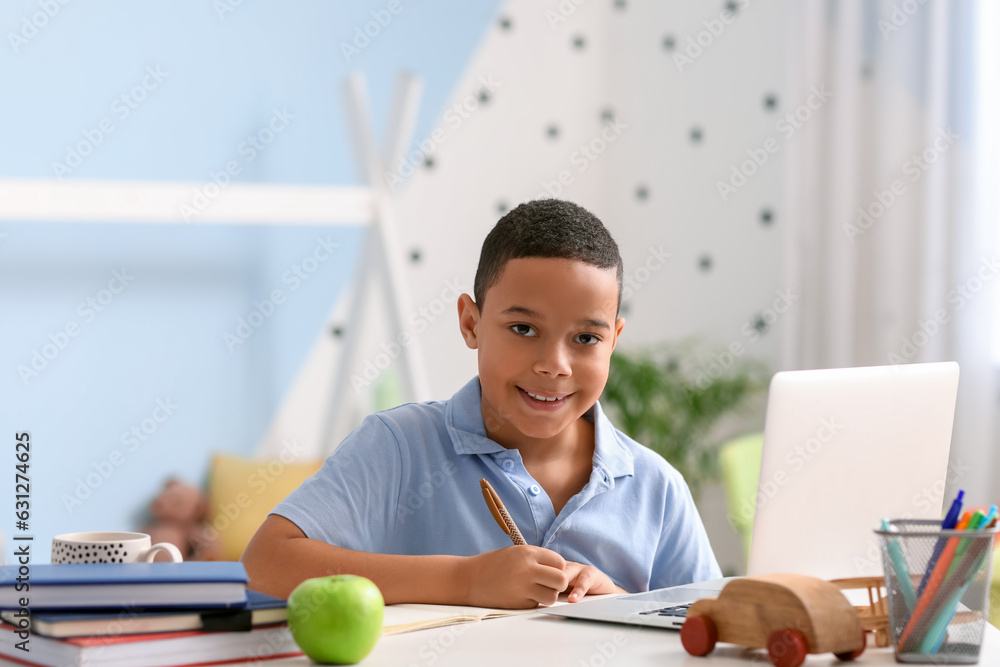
(790, 615)
(875, 616)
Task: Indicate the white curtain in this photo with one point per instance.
(892, 243)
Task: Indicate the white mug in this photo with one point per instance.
(109, 547)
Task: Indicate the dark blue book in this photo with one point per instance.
(260, 610)
(123, 585)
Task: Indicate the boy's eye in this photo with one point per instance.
(523, 330)
(588, 339)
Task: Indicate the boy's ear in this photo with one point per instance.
(619, 325)
(468, 321)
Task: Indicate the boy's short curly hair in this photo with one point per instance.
(546, 228)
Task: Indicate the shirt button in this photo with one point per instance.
(508, 464)
(534, 489)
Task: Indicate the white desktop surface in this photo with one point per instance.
(538, 639)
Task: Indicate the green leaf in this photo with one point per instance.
(661, 399)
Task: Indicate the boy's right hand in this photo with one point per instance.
(515, 577)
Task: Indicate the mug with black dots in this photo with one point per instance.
(109, 547)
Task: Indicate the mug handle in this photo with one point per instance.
(149, 554)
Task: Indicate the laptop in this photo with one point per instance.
(842, 448)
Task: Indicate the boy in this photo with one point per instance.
(399, 501)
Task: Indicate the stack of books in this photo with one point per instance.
(138, 615)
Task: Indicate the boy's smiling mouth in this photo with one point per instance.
(543, 400)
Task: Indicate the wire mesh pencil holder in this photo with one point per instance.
(938, 586)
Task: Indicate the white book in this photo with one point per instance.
(165, 649)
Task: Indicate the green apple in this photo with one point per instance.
(336, 619)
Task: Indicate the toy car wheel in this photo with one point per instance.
(787, 648)
(698, 635)
(851, 655)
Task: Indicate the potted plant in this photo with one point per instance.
(657, 398)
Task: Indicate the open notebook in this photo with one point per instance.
(400, 618)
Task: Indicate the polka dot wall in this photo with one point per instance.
(638, 111)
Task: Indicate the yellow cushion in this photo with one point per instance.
(243, 491)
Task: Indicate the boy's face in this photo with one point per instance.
(546, 332)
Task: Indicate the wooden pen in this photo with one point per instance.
(500, 513)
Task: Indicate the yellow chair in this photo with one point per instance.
(740, 463)
(244, 490)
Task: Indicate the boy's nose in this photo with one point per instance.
(553, 360)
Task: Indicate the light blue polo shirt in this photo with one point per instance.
(407, 482)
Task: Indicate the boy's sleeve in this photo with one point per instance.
(684, 554)
(351, 501)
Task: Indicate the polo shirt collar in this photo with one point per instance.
(608, 447)
(464, 421)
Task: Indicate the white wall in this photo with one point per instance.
(502, 154)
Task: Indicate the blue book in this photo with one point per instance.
(260, 610)
(123, 585)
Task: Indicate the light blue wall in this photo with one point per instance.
(161, 337)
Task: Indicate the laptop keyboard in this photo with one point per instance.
(675, 610)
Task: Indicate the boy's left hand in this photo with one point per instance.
(584, 579)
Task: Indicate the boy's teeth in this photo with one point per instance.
(541, 398)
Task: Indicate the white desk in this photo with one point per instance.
(537, 639)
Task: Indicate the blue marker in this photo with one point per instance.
(950, 521)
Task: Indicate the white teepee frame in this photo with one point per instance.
(82, 200)
(381, 255)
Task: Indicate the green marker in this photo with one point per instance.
(902, 572)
